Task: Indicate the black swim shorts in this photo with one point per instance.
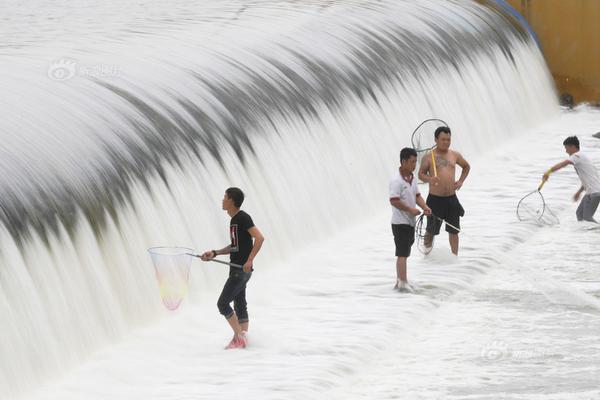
(447, 208)
(404, 237)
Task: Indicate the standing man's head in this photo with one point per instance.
(408, 159)
(442, 138)
(233, 198)
(571, 145)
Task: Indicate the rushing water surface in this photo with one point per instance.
(123, 123)
(515, 316)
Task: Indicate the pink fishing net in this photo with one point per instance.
(172, 267)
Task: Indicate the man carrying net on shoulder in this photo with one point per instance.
(438, 168)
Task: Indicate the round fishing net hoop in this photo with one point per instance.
(172, 269)
(422, 138)
(533, 207)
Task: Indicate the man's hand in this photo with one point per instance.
(576, 196)
(427, 211)
(207, 255)
(545, 176)
(434, 180)
(457, 185)
(247, 266)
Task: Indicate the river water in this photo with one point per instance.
(123, 123)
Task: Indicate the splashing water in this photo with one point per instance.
(122, 122)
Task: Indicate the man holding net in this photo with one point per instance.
(588, 174)
(438, 168)
(242, 251)
(404, 197)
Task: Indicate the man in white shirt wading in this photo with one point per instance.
(588, 174)
(404, 197)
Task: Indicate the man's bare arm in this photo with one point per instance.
(555, 168)
(396, 202)
(578, 193)
(424, 170)
(421, 203)
(210, 254)
(259, 239)
(224, 250)
(465, 169)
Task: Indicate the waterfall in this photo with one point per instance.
(123, 124)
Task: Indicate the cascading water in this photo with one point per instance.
(122, 124)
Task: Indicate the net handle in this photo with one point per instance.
(218, 261)
(433, 162)
(541, 185)
(447, 223)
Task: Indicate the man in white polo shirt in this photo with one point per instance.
(404, 197)
(588, 174)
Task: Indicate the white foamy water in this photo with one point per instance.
(515, 316)
(305, 106)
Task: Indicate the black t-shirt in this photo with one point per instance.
(241, 241)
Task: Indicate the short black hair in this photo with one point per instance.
(236, 195)
(571, 141)
(441, 129)
(407, 153)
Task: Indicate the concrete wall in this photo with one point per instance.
(569, 31)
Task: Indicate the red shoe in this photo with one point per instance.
(238, 342)
(232, 344)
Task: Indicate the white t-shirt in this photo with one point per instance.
(407, 193)
(587, 172)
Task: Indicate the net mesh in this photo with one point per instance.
(533, 207)
(172, 268)
(424, 242)
(422, 138)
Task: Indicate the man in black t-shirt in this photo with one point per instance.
(242, 251)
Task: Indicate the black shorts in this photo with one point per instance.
(446, 208)
(404, 237)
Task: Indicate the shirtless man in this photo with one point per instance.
(443, 185)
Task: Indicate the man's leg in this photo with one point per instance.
(579, 211)
(432, 229)
(453, 239)
(234, 324)
(433, 224)
(239, 337)
(404, 237)
(232, 288)
(455, 211)
(241, 309)
(590, 205)
(401, 269)
(428, 240)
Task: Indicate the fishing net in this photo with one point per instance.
(424, 241)
(423, 138)
(533, 207)
(172, 268)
